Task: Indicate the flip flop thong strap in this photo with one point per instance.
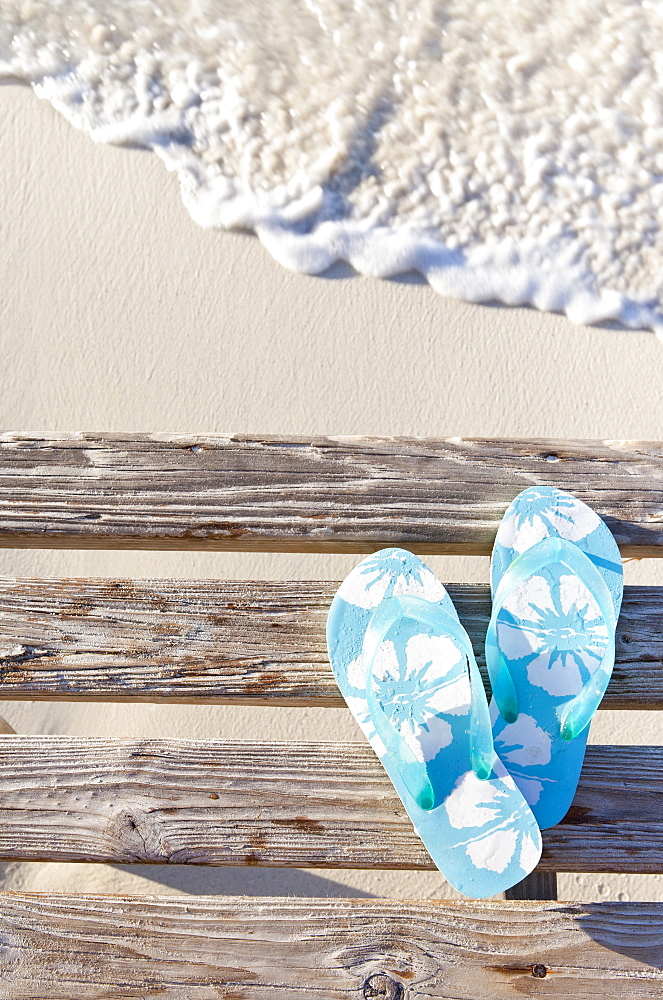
(413, 771)
(576, 714)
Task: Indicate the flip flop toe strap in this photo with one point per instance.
(576, 714)
(412, 770)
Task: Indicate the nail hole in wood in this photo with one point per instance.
(539, 971)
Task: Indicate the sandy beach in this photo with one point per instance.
(119, 314)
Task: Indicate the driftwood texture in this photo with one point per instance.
(326, 805)
(235, 642)
(208, 948)
(316, 494)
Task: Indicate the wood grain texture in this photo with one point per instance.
(316, 494)
(259, 642)
(68, 947)
(326, 805)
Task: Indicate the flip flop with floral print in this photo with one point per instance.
(556, 580)
(406, 668)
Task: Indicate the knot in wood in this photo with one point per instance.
(381, 986)
(539, 971)
(135, 839)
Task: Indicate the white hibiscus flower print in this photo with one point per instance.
(539, 515)
(524, 742)
(475, 803)
(359, 708)
(531, 789)
(529, 853)
(389, 574)
(557, 631)
(356, 673)
(414, 694)
(425, 740)
(493, 851)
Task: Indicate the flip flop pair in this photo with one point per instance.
(479, 782)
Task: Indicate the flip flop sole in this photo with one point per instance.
(553, 637)
(480, 833)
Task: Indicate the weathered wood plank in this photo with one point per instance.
(259, 642)
(92, 947)
(317, 494)
(282, 804)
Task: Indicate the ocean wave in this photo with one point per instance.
(506, 151)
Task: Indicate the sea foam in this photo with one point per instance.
(505, 150)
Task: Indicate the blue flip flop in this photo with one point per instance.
(406, 669)
(556, 581)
